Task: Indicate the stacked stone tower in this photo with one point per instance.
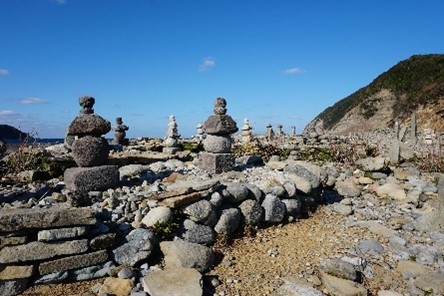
(90, 152)
(247, 135)
(217, 157)
(172, 137)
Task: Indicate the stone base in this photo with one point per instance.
(216, 163)
(83, 180)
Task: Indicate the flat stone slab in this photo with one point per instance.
(73, 262)
(16, 272)
(173, 281)
(20, 219)
(61, 233)
(99, 178)
(40, 250)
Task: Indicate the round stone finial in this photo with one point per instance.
(220, 106)
(87, 104)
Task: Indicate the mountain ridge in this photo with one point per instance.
(415, 85)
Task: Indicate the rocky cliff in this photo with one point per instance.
(415, 85)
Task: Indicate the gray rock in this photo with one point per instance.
(273, 187)
(293, 206)
(348, 188)
(40, 250)
(228, 222)
(52, 278)
(217, 144)
(82, 180)
(291, 190)
(137, 248)
(342, 209)
(133, 170)
(92, 272)
(371, 247)
(274, 209)
(238, 192)
(73, 262)
(197, 233)
(338, 286)
(187, 255)
(157, 215)
(20, 219)
(255, 192)
(372, 164)
(216, 163)
(14, 287)
(203, 211)
(103, 241)
(298, 290)
(388, 293)
(339, 268)
(126, 273)
(90, 151)
(89, 124)
(220, 125)
(310, 172)
(60, 233)
(216, 199)
(252, 212)
(173, 281)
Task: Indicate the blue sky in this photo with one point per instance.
(278, 62)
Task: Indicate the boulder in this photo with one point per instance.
(187, 255)
(173, 281)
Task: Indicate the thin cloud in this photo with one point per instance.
(7, 113)
(293, 71)
(33, 101)
(59, 2)
(3, 72)
(207, 64)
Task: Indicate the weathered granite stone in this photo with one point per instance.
(197, 233)
(103, 241)
(274, 209)
(220, 125)
(89, 124)
(12, 241)
(19, 219)
(116, 286)
(92, 272)
(216, 163)
(173, 281)
(229, 221)
(52, 278)
(293, 206)
(60, 233)
(372, 164)
(217, 144)
(252, 212)
(40, 250)
(306, 171)
(90, 151)
(137, 248)
(14, 287)
(188, 255)
(347, 188)
(73, 262)
(238, 192)
(157, 215)
(82, 180)
(13, 272)
(339, 268)
(391, 190)
(338, 286)
(202, 212)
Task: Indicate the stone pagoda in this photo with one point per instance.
(172, 137)
(90, 152)
(247, 135)
(217, 157)
(120, 132)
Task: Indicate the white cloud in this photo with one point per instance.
(3, 72)
(207, 64)
(7, 113)
(33, 101)
(293, 71)
(59, 2)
